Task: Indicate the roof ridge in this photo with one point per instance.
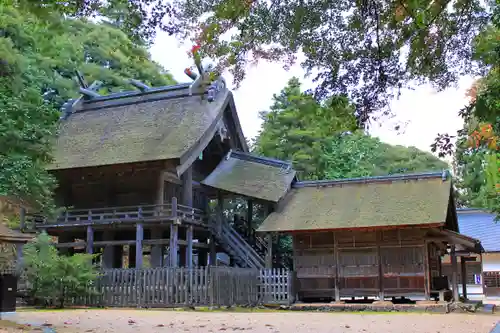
(260, 159)
(374, 179)
(134, 93)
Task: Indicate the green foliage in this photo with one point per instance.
(38, 59)
(54, 279)
(367, 49)
(477, 164)
(321, 140)
(296, 126)
(139, 19)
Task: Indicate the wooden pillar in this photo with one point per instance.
(187, 187)
(156, 249)
(174, 245)
(463, 272)
(336, 253)
(381, 295)
(139, 237)
(212, 260)
(269, 253)
(189, 246)
(454, 269)
(219, 212)
(249, 217)
(160, 193)
(109, 250)
(90, 240)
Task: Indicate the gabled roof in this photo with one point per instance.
(480, 224)
(252, 176)
(372, 202)
(155, 124)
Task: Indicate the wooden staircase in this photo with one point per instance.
(239, 248)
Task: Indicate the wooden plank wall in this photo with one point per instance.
(350, 264)
(204, 286)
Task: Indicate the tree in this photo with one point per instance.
(139, 19)
(366, 49)
(38, 59)
(296, 125)
(322, 141)
(54, 279)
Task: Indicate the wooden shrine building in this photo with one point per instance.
(371, 237)
(138, 171)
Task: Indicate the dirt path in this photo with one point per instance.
(128, 321)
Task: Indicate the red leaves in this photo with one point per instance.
(195, 49)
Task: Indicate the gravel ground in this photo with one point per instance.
(125, 321)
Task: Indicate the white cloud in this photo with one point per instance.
(424, 111)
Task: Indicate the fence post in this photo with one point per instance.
(291, 287)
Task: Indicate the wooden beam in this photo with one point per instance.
(114, 242)
(180, 242)
(71, 244)
(139, 237)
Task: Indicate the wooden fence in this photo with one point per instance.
(204, 286)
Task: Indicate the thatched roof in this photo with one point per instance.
(159, 124)
(252, 176)
(392, 201)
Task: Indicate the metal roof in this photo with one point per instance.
(480, 224)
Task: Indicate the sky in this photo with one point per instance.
(424, 112)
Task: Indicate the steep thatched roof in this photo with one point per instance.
(252, 176)
(392, 201)
(157, 124)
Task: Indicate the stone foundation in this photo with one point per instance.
(385, 306)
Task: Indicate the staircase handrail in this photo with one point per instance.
(249, 252)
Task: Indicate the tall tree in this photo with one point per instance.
(367, 49)
(322, 141)
(38, 59)
(297, 124)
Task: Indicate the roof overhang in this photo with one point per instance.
(462, 243)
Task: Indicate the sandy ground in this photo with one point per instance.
(125, 321)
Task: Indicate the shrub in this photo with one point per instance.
(54, 279)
